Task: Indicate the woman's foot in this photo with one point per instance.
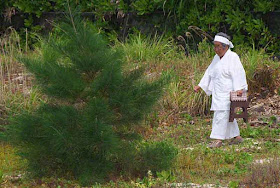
(215, 144)
(236, 140)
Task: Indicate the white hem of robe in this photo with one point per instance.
(221, 127)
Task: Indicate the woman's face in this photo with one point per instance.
(219, 49)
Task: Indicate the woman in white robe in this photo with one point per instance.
(224, 74)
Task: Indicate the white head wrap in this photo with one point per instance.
(223, 40)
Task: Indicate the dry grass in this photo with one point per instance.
(157, 55)
(266, 174)
(262, 75)
(16, 89)
(262, 72)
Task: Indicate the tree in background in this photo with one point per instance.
(86, 127)
(249, 22)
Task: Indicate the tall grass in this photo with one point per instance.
(140, 48)
(15, 94)
(262, 72)
(156, 54)
(16, 90)
(161, 54)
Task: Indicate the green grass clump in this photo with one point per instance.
(139, 48)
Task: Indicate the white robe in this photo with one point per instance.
(222, 128)
(221, 77)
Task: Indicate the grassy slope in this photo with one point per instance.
(173, 120)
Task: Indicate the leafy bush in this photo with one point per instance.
(244, 20)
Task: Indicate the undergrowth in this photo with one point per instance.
(180, 118)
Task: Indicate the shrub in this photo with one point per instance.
(91, 100)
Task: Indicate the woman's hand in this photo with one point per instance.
(196, 88)
(239, 92)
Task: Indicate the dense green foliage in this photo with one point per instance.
(93, 107)
(244, 20)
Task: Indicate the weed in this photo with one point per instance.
(166, 176)
(229, 158)
(233, 184)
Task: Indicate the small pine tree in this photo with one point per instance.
(91, 101)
